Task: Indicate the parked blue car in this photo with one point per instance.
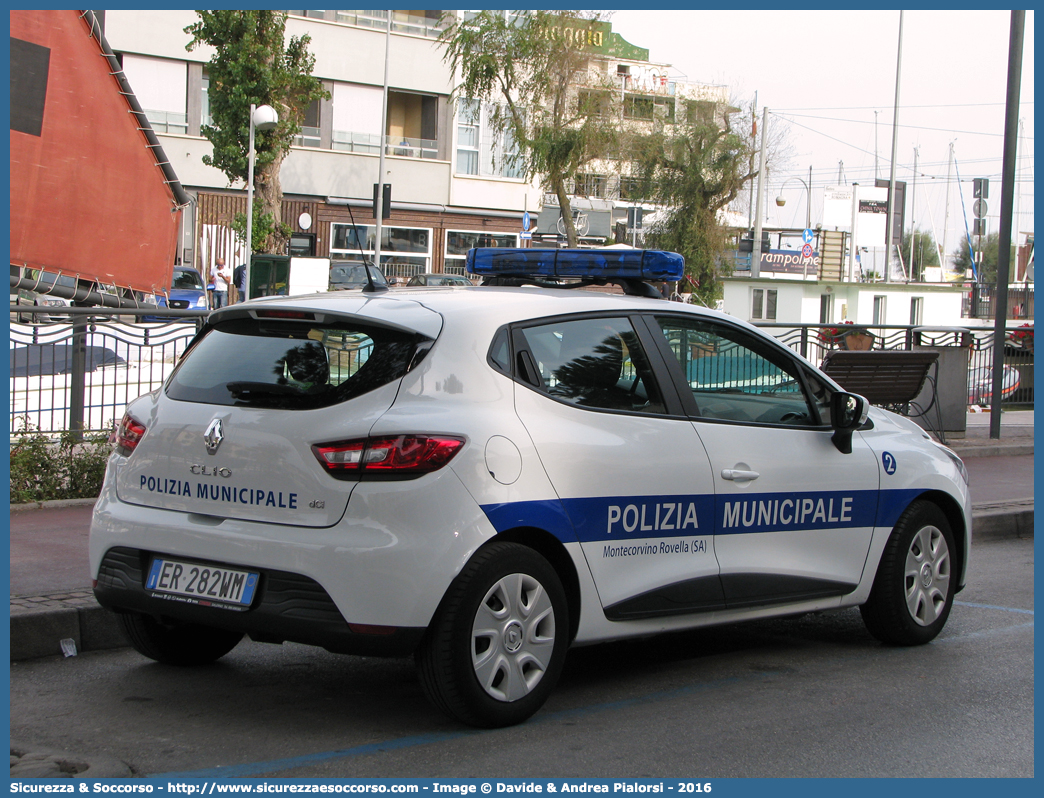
(186, 292)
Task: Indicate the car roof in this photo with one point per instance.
(488, 306)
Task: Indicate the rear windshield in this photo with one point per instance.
(290, 365)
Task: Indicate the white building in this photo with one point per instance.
(820, 302)
(451, 187)
(446, 195)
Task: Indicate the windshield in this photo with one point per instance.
(290, 365)
(187, 279)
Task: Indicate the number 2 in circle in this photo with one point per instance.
(888, 460)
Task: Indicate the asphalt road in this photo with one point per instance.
(814, 696)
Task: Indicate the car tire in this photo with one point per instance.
(497, 643)
(177, 643)
(915, 582)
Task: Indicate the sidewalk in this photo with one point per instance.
(1016, 435)
(51, 598)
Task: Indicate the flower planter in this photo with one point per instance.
(858, 341)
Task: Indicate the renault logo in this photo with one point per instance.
(213, 436)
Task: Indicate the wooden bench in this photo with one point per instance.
(890, 378)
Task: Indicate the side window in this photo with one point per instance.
(595, 363)
(735, 377)
(500, 351)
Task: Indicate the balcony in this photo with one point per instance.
(370, 143)
(167, 121)
(401, 22)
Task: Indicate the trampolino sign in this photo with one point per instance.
(786, 261)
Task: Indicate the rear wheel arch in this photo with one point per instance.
(551, 549)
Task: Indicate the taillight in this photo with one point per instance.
(399, 455)
(127, 435)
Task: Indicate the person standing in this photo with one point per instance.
(239, 281)
(220, 276)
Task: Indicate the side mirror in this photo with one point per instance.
(848, 412)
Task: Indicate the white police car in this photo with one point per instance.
(484, 477)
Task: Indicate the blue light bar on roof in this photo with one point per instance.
(626, 264)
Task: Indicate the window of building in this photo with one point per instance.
(594, 102)
(302, 245)
(648, 108)
(591, 185)
(630, 188)
(880, 309)
(309, 135)
(161, 88)
(468, 117)
(826, 308)
(458, 242)
(412, 127)
(405, 251)
(763, 304)
(356, 117)
(917, 310)
(206, 118)
(480, 151)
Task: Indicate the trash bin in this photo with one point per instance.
(950, 390)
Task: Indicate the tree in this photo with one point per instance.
(919, 251)
(987, 270)
(694, 169)
(527, 68)
(251, 64)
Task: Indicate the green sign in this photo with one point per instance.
(598, 37)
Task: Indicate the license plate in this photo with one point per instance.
(202, 583)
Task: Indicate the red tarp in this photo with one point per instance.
(87, 197)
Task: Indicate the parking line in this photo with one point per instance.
(991, 607)
(274, 765)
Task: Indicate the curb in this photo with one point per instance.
(56, 503)
(992, 449)
(40, 623)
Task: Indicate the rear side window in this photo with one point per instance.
(597, 363)
(290, 365)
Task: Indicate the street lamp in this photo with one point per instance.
(262, 117)
(781, 200)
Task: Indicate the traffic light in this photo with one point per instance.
(387, 201)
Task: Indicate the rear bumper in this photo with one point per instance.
(288, 607)
(386, 562)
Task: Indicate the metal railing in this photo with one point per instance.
(813, 341)
(349, 141)
(980, 301)
(80, 374)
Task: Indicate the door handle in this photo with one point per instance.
(738, 474)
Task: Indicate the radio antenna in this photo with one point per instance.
(371, 287)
